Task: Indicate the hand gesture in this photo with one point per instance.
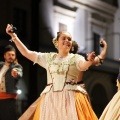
(103, 43)
(91, 56)
(9, 30)
(14, 72)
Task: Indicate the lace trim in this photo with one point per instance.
(51, 56)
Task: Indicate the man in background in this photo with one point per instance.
(10, 73)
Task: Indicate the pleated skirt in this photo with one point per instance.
(60, 105)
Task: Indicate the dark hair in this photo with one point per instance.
(59, 33)
(74, 48)
(9, 48)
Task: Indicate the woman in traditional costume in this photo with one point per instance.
(63, 98)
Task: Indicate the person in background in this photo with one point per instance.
(62, 98)
(10, 73)
(112, 110)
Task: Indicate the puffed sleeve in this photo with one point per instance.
(79, 61)
(40, 59)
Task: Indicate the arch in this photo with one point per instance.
(99, 99)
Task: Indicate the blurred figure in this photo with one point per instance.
(112, 110)
(10, 73)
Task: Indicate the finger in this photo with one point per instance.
(8, 25)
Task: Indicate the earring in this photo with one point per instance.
(56, 45)
(72, 49)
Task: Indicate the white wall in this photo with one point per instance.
(63, 16)
(80, 31)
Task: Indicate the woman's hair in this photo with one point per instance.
(56, 38)
(74, 48)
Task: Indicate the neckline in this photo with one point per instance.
(61, 57)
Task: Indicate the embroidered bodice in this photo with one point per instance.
(60, 71)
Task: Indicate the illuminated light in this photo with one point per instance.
(19, 91)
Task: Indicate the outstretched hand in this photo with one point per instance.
(91, 56)
(14, 73)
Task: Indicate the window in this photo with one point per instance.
(96, 43)
(62, 27)
(98, 104)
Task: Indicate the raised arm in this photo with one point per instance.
(99, 58)
(21, 47)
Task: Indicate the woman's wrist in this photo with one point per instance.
(13, 38)
(13, 35)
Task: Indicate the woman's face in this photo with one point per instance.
(65, 41)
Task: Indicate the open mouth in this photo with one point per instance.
(67, 44)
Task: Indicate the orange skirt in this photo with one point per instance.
(65, 105)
